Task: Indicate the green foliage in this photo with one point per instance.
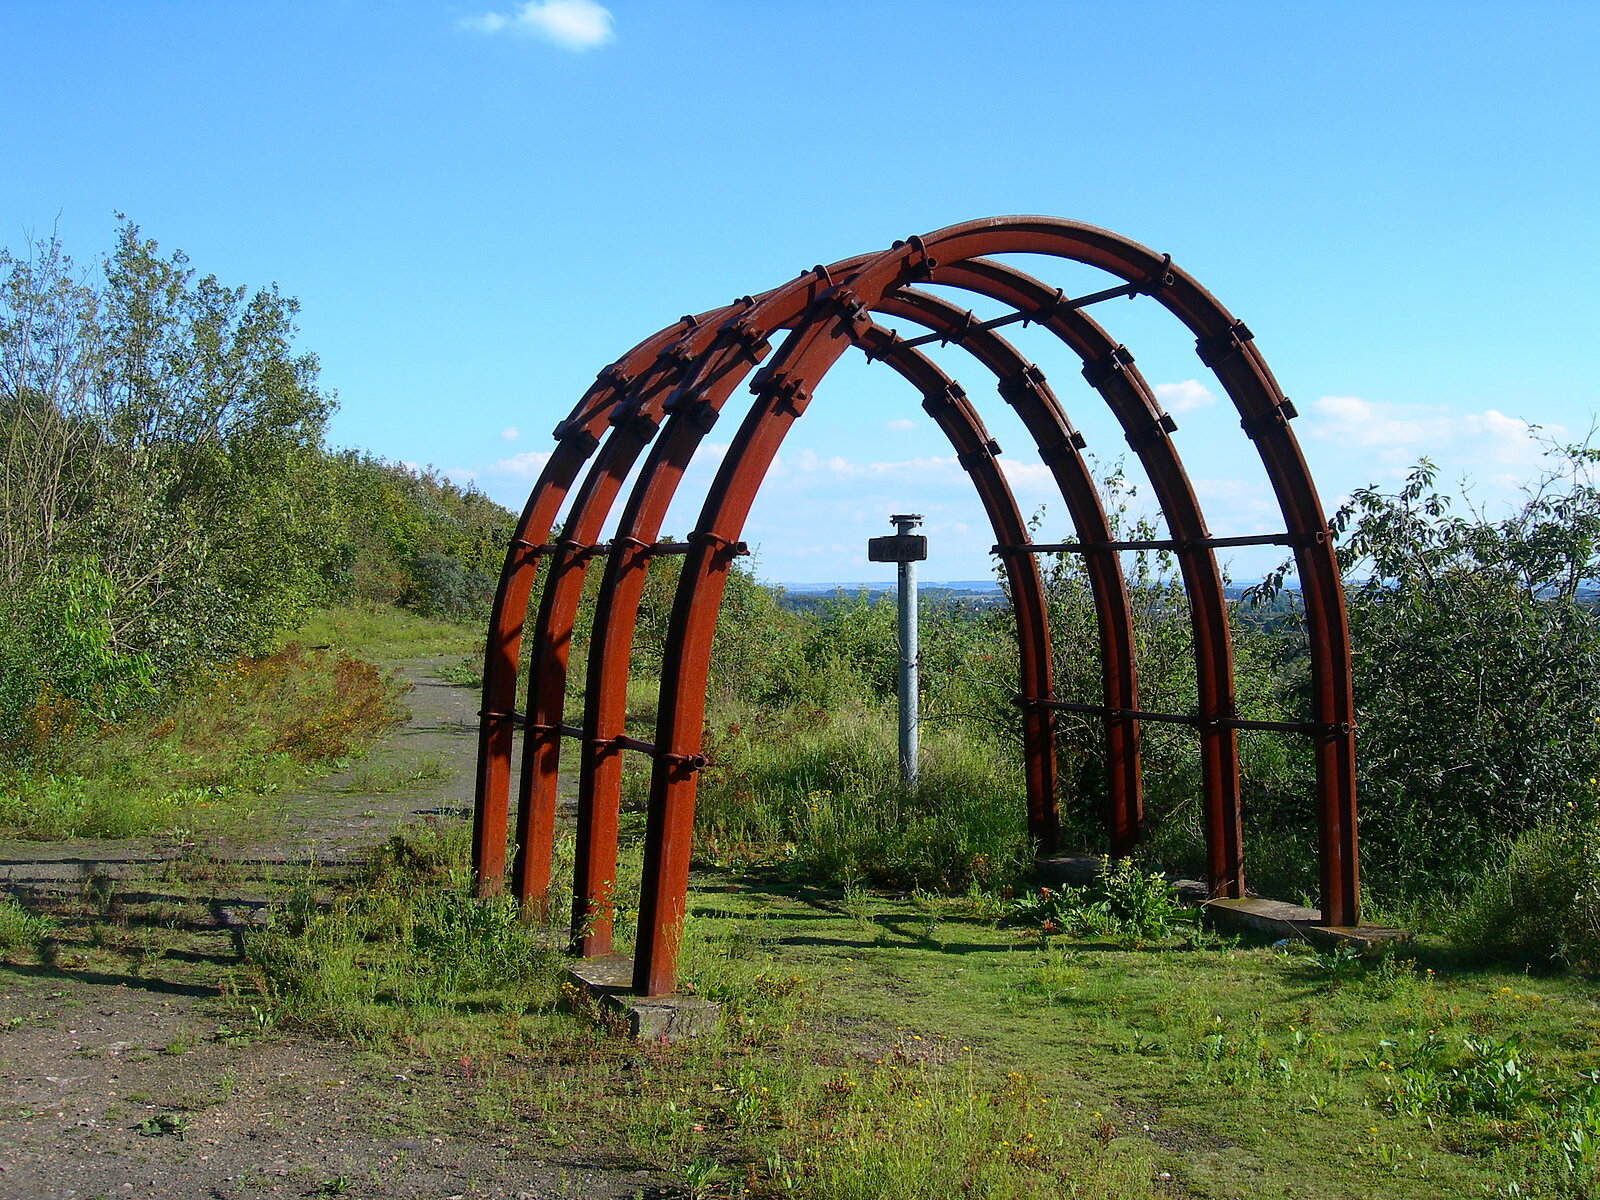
(166, 503)
(410, 944)
(155, 434)
(232, 735)
(404, 536)
(21, 929)
(1493, 721)
(820, 791)
(1540, 902)
(1124, 901)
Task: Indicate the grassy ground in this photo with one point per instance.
(874, 1044)
(386, 634)
(234, 738)
(908, 1046)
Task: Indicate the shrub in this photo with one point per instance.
(824, 793)
(1541, 904)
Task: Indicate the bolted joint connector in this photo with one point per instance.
(629, 415)
(678, 352)
(691, 405)
(918, 263)
(579, 552)
(501, 718)
(942, 400)
(613, 377)
(572, 431)
(881, 345)
(1276, 418)
(685, 762)
(726, 546)
(850, 306)
(1217, 349)
(1067, 448)
(1158, 280)
(782, 388)
(1157, 429)
(971, 460)
(1100, 370)
(1024, 385)
(750, 340)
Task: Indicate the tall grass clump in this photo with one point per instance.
(1540, 903)
(907, 1129)
(408, 948)
(21, 929)
(824, 797)
(234, 734)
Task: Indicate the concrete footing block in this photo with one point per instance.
(1273, 918)
(608, 981)
(1278, 919)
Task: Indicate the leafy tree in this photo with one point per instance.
(1477, 666)
(159, 439)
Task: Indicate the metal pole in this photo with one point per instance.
(904, 523)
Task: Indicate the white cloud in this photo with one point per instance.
(1393, 436)
(900, 425)
(1183, 397)
(1027, 478)
(510, 433)
(570, 24)
(526, 465)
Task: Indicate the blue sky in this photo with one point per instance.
(481, 204)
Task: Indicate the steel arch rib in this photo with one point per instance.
(1109, 368)
(633, 420)
(1025, 388)
(1225, 346)
(783, 390)
(577, 438)
(617, 610)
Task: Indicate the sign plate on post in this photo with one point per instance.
(899, 547)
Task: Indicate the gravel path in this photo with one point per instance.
(129, 1075)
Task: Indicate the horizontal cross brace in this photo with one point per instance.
(651, 549)
(1063, 304)
(1260, 539)
(624, 743)
(1137, 714)
(561, 730)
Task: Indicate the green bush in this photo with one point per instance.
(1541, 903)
(824, 795)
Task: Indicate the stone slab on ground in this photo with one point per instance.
(1255, 914)
(674, 1018)
(1278, 919)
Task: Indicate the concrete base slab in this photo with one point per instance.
(675, 1018)
(1278, 919)
(1274, 918)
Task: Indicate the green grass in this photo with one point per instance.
(231, 741)
(379, 779)
(20, 929)
(908, 1045)
(821, 793)
(385, 634)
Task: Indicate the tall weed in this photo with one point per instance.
(824, 796)
(234, 734)
(1541, 903)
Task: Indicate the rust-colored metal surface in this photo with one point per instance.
(669, 391)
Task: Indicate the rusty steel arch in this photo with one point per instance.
(659, 400)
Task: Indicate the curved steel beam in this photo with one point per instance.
(783, 390)
(1060, 446)
(618, 604)
(1109, 368)
(577, 437)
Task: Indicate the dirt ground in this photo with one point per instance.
(134, 1073)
